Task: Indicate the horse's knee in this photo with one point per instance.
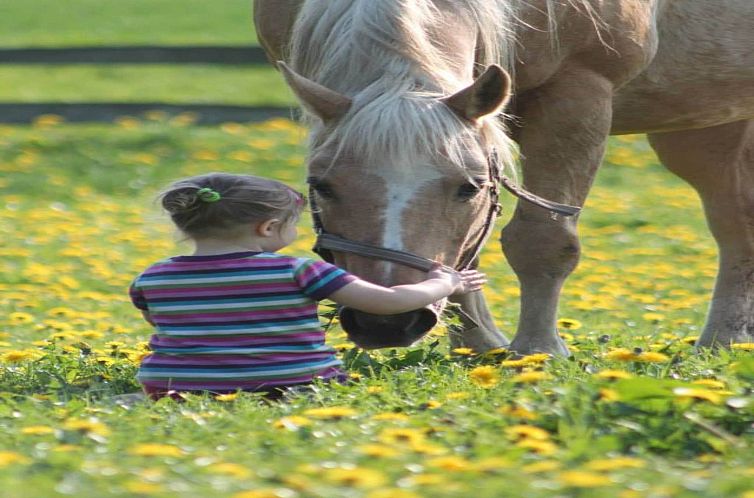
(541, 248)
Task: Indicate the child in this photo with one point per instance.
(236, 315)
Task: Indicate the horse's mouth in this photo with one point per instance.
(370, 331)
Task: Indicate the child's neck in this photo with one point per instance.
(211, 247)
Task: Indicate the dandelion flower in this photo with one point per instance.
(609, 464)
(652, 357)
(710, 383)
(378, 450)
(292, 422)
(530, 377)
(331, 412)
(743, 346)
(155, 449)
(621, 354)
(583, 479)
(86, 426)
(11, 457)
(392, 493)
(450, 463)
(699, 394)
(357, 477)
(37, 430)
(613, 374)
(397, 435)
(527, 431)
(569, 324)
(537, 446)
(229, 469)
(463, 351)
(390, 417)
(485, 376)
(227, 397)
(16, 356)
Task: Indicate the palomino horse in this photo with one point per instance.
(404, 97)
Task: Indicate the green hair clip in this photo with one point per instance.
(208, 195)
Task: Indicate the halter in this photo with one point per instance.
(327, 242)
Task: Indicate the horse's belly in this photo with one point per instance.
(702, 74)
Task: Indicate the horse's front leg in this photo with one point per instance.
(565, 125)
(478, 331)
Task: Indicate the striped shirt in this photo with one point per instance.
(244, 320)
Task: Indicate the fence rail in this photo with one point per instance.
(135, 55)
(19, 113)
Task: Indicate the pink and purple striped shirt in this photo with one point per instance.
(244, 320)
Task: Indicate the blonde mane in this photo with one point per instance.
(350, 46)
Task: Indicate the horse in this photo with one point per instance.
(416, 106)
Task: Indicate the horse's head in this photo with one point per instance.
(404, 170)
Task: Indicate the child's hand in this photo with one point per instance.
(463, 281)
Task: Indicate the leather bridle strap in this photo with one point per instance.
(327, 242)
(331, 242)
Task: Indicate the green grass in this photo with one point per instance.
(53, 23)
(247, 85)
(77, 221)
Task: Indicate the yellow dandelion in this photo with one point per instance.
(263, 493)
(492, 464)
(463, 351)
(609, 395)
(543, 466)
(613, 374)
(390, 417)
(156, 450)
(698, 394)
(526, 432)
(530, 377)
(621, 354)
(617, 463)
(518, 412)
(378, 450)
(229, 469)
(16, 356)
(375, 389)
(292, 422)
(90, 426)
(426, 448)
(397, 435)
(356, 477)
(652, 357)
(11, 457)
(569, 324)
(143, 488)
(227, 397)
(392, 493)
(331, 412)
(537, 446)
(450, 463)
(19, 317)
(430, 405)
(743, 346)
(653, 317)
(458, 395)
(427, 480)
(513, 363)
(710, 383)
(535, 359)
(583, 479)
(37, 430)
(485, 376)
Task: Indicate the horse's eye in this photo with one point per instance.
(323, 189)
(467, 191)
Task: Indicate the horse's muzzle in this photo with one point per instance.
(370, 331)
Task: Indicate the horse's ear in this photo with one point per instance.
(487, 95)
(327, 104)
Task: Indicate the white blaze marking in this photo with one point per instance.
(402, 185)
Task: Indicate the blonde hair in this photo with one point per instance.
(234, 201)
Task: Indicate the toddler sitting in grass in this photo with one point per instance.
(235, 315)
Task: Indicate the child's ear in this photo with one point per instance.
(268, 228)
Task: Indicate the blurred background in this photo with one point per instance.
(92, 60)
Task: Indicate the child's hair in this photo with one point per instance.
(217, 204)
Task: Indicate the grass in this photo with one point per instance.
(54, 23)
(243, 85)
(78, 223)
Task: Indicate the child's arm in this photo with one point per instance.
(372, 298)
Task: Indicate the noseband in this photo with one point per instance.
(327, 242)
